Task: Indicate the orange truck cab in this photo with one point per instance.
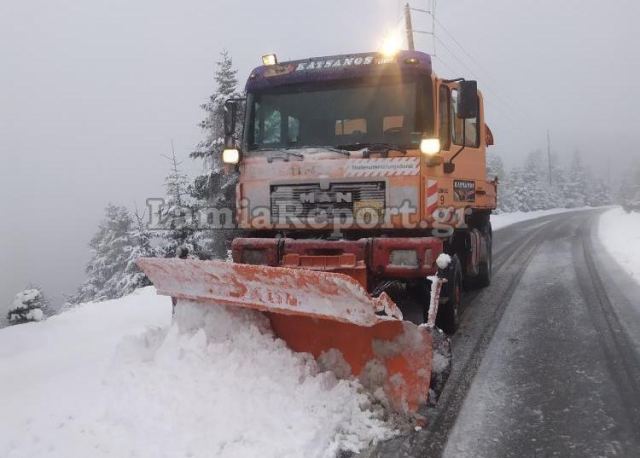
(368, 165)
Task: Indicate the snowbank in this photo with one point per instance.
(619, 232)
(117, 379)
(507, 219)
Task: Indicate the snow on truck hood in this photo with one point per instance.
(117, 378)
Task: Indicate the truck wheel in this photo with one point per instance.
(450, 299)
(441, 365)
(483, 279)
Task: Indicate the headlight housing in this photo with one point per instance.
(404, 258)
(231, 156)
(430, 146)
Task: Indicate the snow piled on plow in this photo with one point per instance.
(118, 379)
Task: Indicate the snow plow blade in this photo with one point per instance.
(326, 314)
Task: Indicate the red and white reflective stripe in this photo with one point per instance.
(401, 166)
(432, 197)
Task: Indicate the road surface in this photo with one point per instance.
(547, 359)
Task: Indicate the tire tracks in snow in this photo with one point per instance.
(622, 360)
(480, 318)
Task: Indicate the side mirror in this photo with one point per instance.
(230, 116)
(468, 100)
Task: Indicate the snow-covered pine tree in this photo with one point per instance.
(179, 214)
(600, 193)
(541, 195)
(575, 188)
(215, 188)
(513, 192)
(527, 188)
(140, 236)
(28, 305)
(558, 180)
(495, 166)
(111, 248)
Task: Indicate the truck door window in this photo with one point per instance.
(445, 125)
(471, 126)
(351, 126)
(393, 124)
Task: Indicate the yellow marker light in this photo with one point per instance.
(430, 146)
(269, 59)
(230, 156)
(392, 43)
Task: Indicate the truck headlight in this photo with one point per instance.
(230, 156)
(430, 146)
(404, 258)
(269, 59)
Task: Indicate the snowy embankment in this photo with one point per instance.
(507, 219)
(117, 378)
(619, 232)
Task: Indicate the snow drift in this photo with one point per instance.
(118, 379)
(619, 232)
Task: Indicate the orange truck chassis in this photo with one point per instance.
(365, 208)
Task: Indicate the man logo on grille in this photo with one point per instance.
(326, 197)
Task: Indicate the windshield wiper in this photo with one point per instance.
(280, 154)
(328, 148)
(369, 148)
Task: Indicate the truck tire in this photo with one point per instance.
(448, 317)
(483, 279)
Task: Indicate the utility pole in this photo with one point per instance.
(433, 25)
(549, 156)
(409, 27)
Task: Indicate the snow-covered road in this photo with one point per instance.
(545, 362)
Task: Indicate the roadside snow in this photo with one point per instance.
(117, 379)
(619, 232)
(507, 219)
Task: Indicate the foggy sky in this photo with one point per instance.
(92, 92)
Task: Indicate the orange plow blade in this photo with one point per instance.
(326, 314)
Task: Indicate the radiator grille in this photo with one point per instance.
(309, 201)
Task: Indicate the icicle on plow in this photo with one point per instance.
(316, 312)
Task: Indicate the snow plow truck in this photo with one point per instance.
(365, 211)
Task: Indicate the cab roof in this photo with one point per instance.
(338, 67)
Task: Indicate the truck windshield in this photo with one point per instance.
(346, 115)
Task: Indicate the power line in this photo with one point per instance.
(469, 56)
(501, 104)
(504, 101)
(500, 101)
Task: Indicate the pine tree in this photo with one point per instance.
(541, 195)
(495, 167)
(212, 125)
(141, 238)
(600, 193)
(215, 188)
(111, 248)
(28, 305)
(575, 188)
(179, 214)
